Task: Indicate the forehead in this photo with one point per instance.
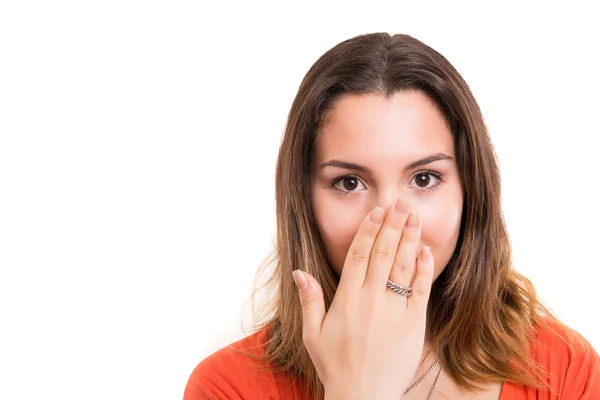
(369, 127)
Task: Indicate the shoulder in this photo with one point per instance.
(556, 340)
(233, 372)
(572, 363)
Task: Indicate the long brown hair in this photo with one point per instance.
(481, 311)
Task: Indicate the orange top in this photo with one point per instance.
(228, 375)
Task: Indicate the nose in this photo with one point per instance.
(387, 198)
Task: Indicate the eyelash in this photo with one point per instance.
(437, 175)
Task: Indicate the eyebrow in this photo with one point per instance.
(361, 168)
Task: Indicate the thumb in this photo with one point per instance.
(313, 305)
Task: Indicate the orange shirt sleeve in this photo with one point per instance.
(572, 363)
(582, 370)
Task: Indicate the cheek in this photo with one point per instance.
(441, 226)
(337, 226)
(441, 223)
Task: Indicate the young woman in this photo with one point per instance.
(393, 264)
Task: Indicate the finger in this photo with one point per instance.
(313, 305)
(357, 259)
(403, 266)
(421, 286)
(386, 245)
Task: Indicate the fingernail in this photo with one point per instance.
(413, 219)
(377, 215)
(401, 205)
(300, 279)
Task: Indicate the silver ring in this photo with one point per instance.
(403, 290)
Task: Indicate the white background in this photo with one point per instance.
(137, 150)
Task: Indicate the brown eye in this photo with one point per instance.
(427, 180)
(422, 180)
(347, 184)
(350, 183)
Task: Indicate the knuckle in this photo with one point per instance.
(306, 300)
(381, 253)
(359, 256)
(418, 292)
(400, 268)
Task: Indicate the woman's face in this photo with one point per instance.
(385, 150)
